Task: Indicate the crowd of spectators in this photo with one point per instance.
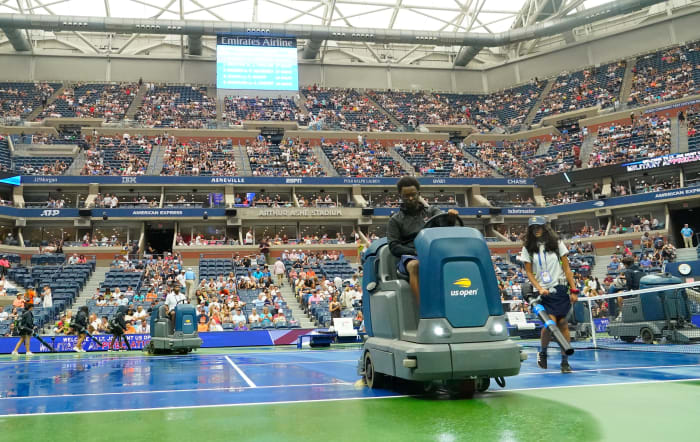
(413, 109)
(566, 197)
(645, 137)
(289, 158)
(505, 109)
(442, 159)
(212, 157)
(665, 75)
(56, 167)
(509, 158)
(184, 107)
(126, 156)
(581, 89)
(238, 109)
(18, 100)
(366, 160)
(344, 109)
(108, 101)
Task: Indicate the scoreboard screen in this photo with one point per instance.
(256, 63)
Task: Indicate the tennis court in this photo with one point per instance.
(272, 394)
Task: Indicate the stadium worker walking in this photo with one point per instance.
(547, 268)
(687, 234)
(26, 329)
(405, 225)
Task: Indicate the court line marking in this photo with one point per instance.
(106, 356)
(612, 384)
(321, 384)
(204, 406)
(117, 393)
(648, 367)
(330, 400)
(247, 380)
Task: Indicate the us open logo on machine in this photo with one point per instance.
(465, 283)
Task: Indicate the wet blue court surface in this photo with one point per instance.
(100, 382)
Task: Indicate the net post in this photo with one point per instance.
(593, 331)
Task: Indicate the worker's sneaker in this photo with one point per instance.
(77, 350)
(566, 368)
(542, 360)
(15, 353)
(29, 353)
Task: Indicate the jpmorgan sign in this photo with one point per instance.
(300, 212)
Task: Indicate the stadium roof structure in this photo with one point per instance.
(398, 32)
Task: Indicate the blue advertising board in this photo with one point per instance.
(139, 341)
(320, 181)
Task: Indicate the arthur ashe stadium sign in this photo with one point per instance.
(294, 212)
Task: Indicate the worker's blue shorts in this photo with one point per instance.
(403, 262)
(557, 304)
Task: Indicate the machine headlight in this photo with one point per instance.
(439, 331)
(498, 328)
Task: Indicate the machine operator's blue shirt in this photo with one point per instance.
(687, 232)
(189, 275)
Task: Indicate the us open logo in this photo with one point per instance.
(465, 283)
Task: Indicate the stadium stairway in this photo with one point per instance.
(35, 112)
(405, 165)
(299, 101)
(533, 112)
(586, 149)
(325, 162)
(626, 87)
(393, 119)
(77, 164)
(679, 137)
(686, 254)
(494, 172)
(86, 293)
(91, 286)
(297, 312)
(242, 162)
(600, 269)
(155, 163)
(131, 112)
(544, 148)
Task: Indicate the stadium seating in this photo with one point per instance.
(5, 160)
(344, 109)
(581, 89)
(647, 137)
(176, 107)
(126, 156)
(441, 160)
(352, 160)
(508, 158)
(239, 109)
(284, 159)
(196, 158)
(665, 75)
(92, 100)
(42, 165)
(18, 100)
(504, 109)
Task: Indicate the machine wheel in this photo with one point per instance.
(150, 348)
(483, 384)
(373, 378)
(628, 339)
(464, 388)
(647, 335)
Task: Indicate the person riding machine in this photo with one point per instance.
(457, 335)
(183, 339)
